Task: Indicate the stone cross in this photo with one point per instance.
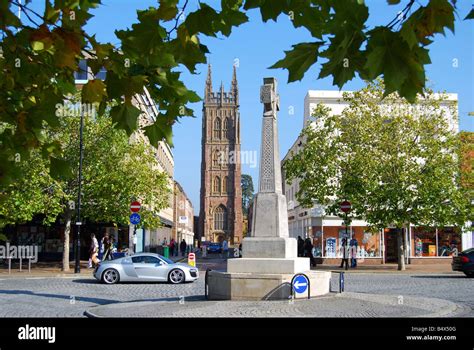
(270, 211)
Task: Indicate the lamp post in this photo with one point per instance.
(77, 266)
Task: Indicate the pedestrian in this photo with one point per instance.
(225, 248)
(353, 245)
(300, 246)
(308, 249)
(109, 247)
(104, 244)
(93, 252)
(344, 253)
(182, 247)
(172, 243)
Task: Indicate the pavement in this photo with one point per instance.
(347, 304)
(367, 295)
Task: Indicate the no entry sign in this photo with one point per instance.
(345, 206)
(192, 259)
(135, 207)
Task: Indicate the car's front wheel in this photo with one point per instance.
(110, 276)
(176, 276)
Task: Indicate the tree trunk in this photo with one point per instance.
(67, 232)
(401, 250)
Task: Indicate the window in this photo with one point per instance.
(449, 242)
(138, 259)
(151, 260)
(217, 184)
(225, 184)
(220, 218)
(226, 127)
(82, 73)
(215, 158)
(217, 128)
(424, 241)
(102, 74)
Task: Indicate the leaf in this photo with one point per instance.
(402, 67)
(470, 15)
(125, 115)
(269, 9)
(168, 9)
(159, 131)
(202, 21)
(93, 91)
(298, 60)
(60, 168)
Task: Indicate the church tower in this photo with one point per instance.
(220, 213)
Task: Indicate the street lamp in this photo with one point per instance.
(77, 266)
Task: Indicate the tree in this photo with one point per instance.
(247, 192)
(467, 160)
(40, 53)
(397, 163)
(115, 171)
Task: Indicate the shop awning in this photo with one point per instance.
(166, 222)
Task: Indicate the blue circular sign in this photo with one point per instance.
(135, 218)
(300, 284)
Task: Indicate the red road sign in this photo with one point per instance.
(345, 206)
(135, 207)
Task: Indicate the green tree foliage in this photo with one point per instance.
(467, 160)
(246, 183)
(41, 52)
(115, 172)
(397, 163)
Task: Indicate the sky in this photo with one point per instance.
(255, 46)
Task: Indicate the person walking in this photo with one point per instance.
(172, 243)
(300, 247)
(345, 255)
(93, 252)
(109, 246)
(353, 246)
(104, 245)
(182, 247)
(225, 248)
(308, 248)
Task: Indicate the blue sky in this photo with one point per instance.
(257, 46)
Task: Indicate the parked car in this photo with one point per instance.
(145, 267)
(214, 248)
(464, 262)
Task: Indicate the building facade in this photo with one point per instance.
(220, 214)
(183, 216)
(424, 244)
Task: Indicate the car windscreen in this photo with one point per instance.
(469, 251)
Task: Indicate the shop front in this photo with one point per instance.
(327, 240)
(434, 245)
(49, 239)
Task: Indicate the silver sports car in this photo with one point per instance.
(144, 267)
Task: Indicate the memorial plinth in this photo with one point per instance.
(269, 257)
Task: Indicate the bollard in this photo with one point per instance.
(341, 282)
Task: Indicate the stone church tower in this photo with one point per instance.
(220, 214)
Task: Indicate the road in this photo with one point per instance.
(71, 296)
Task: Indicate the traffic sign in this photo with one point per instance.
(135, 206)
(192, 259)
(345, 206)
(135, 218)
(300, 283)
